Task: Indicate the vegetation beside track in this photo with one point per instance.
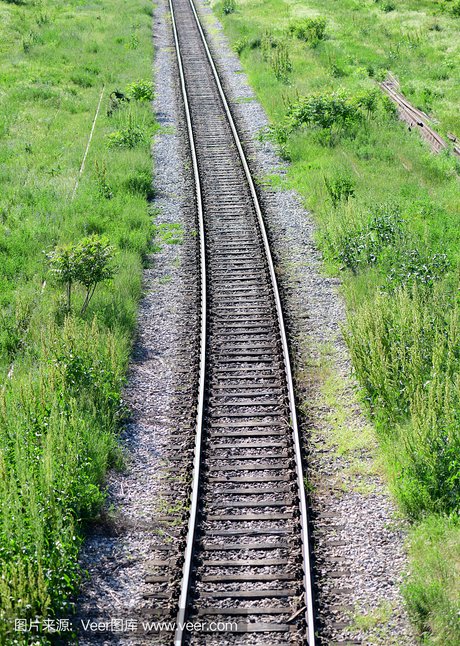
(62, 371)
(387, 211)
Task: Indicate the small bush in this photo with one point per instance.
(361, 245)
(388, 7)
(325, 111)
(228, 7)
(129, 137)
(247, 43)
(455, 9)
(240, 45)
(87, 262)
(82, 80)
(310, 30)
(140, 91)
(414, 267)
(339, 188)
(337, 71)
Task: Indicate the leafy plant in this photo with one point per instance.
(240, 45)
(310, 30)
(87, 262)
(61, 262)
(339, 188)
(140, 91)
(92, 264)
(362, 245)
(388, 7)
(414, 267)
(228, 7)
(324, 111)
(129, 137)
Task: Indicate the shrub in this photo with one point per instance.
(247, 43)
(310, 30)
(414, 267)
(228, 7)
(129, 137)
(140, 91)
(324, 111)
(240, 45)
(388, 7)
(87, 262)
(339, 188)
(61, 263)
(362, 244)
(83, 80)
(368, 101)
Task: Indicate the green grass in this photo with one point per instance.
(432, 588)
(61, 405)
(387, 213)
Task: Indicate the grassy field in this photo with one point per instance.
(62, 370)
(387, 211)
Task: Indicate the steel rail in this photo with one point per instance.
(185, 585)
(187, 566)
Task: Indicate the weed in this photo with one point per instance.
(330, 111)
(240, 45)
(103, 186)
(140, 91)
(310, 30)
(388, 7)
(414, 267)
(281, 63)
(431, 592)
(129, 137)
(268, 43)
(133, 42)
(228, 7)
(339, 188)
(337, 71)
(82, 80)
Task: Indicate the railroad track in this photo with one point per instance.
(246, 562)
(414, 117)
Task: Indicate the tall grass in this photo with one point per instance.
(60, 408)
(405, 350)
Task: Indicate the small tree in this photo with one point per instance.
(92, 264)
(86, 262)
